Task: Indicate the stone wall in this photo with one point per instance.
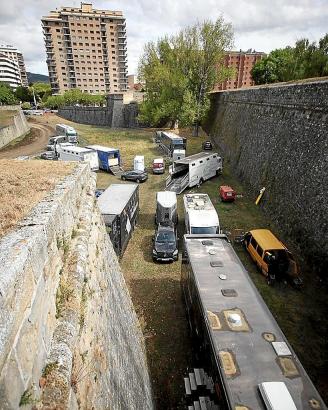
(115, 114)
(69, 336)
(276, 137)
(18, 129)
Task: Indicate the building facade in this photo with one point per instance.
(9, 72)
(242, 62)
(13, 54)
(86, 49)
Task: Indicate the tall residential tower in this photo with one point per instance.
(86, 49)
(17, 57)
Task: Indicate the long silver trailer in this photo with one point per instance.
(241, 345)
(193, 170)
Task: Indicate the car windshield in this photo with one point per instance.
(163, 237)
(205, 230)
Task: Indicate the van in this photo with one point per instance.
(271, 256)
(158, 166)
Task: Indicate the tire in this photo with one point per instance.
(123, 178)
(138, 181)
(201, 181)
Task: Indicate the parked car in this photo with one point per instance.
(207, 146)
(135, 175)
(51, 155)
(37, 112)
(158, 166)
(165, 247)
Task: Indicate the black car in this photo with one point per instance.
(138, 176)
(165, 246)
(207, 146)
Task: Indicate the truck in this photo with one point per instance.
(166, 208)
(70, 152)
(68, 131)
(54, 141)
(119, 206)
(171, 144)
(193, 171)
(109, 158)
(200, 215)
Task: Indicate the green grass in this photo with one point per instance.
(155, 288)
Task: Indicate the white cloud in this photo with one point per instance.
(259, 24)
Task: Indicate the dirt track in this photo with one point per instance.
(32, 144)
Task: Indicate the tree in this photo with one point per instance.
(26, 106)
(23, 94)
(7, 96)
(305, 60)
(42, 90)
(179, 71)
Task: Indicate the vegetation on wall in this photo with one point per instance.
(179, 71)
(305, 60)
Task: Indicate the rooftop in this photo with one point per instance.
(114, 199)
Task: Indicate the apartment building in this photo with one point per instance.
(9, 72)
(86, 49)
(12, 53)
(242, 62)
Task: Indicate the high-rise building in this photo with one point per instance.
(242, 62)
(86, 49)
(9, 72)
(15, 55)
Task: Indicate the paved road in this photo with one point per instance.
(32, 144)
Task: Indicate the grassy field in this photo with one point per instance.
(155, 288)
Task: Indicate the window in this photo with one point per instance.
(58, 30)
(214, 156)
(259, 250)
(253, 243)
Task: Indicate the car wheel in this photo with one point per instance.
(123, 178)
(138, 180)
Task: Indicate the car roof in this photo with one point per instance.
(266, 239)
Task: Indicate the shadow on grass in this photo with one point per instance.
(168, 343)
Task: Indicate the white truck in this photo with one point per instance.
(68, 131)
(200, 215)
(70, 152)
(193, 171)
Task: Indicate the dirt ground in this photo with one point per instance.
(23, 185)
(32, 144)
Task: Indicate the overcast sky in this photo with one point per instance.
(258, 24)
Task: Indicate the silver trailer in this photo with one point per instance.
(166, 208)
(241, 346)
(193, 171)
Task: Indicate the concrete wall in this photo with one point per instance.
(69, 336)
(276, 136)
(115, 115)
(19, 127)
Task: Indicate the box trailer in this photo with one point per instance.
(70, 152)
(109, 158)
(119, 206)
(139, 163)
(166, 208)
(193, 171)
(200, 215)
(171, 144)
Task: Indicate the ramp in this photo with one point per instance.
(177, 184)
(116, 170)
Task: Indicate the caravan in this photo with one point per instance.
(200, 215)
(192, 171)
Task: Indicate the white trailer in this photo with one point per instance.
(139, 163)
(166, 208)
(68, 131)
(70, 152)
(200, 215)
(193, 171)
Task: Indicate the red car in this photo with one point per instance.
(227, 194)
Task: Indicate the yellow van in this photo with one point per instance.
(271, 256)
